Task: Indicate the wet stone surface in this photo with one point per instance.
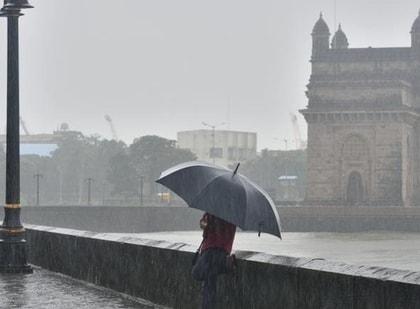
(47, 290)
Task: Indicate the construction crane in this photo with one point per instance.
(111, 125)
(296, 130)
(23, 125)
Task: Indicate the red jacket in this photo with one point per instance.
(217, 233)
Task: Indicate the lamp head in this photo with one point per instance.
(16, 5)
(13, 7)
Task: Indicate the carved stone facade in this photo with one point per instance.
(363, 122)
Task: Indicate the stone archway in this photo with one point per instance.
(354, 194)
(355, 170)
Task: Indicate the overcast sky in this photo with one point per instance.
(162, 66)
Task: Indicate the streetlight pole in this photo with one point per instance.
(213, 136)
(13, 255)
(141, 190)
(37, 177)
(103, 193)
(89, 182)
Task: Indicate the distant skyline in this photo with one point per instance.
(159, 67)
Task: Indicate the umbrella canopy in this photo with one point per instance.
(225, 194)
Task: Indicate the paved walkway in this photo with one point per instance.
(47, 290)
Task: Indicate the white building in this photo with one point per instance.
(222, 147)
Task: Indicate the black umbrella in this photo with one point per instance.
(225, 194)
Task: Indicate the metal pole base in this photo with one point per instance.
(13, 256)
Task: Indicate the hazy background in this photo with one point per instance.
(161, 66)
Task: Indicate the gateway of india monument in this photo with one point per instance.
(363, 120)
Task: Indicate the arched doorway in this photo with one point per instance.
(355, 189)
(355, 171)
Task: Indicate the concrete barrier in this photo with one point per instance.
(160, 272)
(153, 219)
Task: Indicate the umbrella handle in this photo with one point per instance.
(259, 228)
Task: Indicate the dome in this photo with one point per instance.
(416, 25)
(321, 27)
(339, 40)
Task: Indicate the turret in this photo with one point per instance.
(339, 40)
(320, 37)
(415, 34)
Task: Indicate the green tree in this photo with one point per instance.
(78, 158)
(70, 159)
(115, 168)
(98, 157)
(150, 155)
(34, 164)
(122, 176)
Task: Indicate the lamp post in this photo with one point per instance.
(89, 192)
(37, 177)
(141, 190)
(13, 256)
(213, 138)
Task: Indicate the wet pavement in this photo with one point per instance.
(386, 249)
(47, 290)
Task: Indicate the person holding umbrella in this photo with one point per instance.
(229, 200)
(214, 258)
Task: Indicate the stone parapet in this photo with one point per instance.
(159, 271)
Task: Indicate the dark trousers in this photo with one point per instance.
(209, 265)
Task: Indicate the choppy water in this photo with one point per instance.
(47, 290)
(393, 250)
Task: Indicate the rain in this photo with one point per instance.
(210, 154)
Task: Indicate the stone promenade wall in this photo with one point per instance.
(160, 272)
(152, 219)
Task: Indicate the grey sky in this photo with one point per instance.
(161, 66)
